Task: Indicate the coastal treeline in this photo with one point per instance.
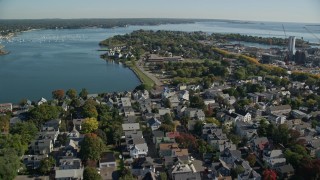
(14, 26)
(256, 39)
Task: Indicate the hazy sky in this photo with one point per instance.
(260, 10)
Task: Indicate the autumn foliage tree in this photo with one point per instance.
(269, 174)
(251, 159)
(187, 140)
(58, 94)
(89, 125)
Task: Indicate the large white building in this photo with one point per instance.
(292, 45)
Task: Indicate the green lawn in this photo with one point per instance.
(144, 78)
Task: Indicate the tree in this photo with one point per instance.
(9, 165)
(83, 93)
(163, 176)
(62, 139)
(72, 93)
(213, 121)
(240, 73)
(167, 119)
(102, 135)
(198, 128)
(27, 130)
(91, 173)
(23, 102)
(187, 140)
(89, 110)
(44, 113)
(251, 159)
(4, 124)
(14, 143)
(262, 129)
(89, 125)
(58, 94)
(46, 165)
(269, 174)
(167, 103)
(236, 171)
(91, 147)
(197, 102)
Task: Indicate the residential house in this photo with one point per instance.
(125, 102)
(195, 113)
(274, 158)
(313, 146)
(70, 163)
(172, 135)
(245, 129)
(128, 111)
(41, 101)
(282, 109)
(184, 95)
(157, 134)
(244, 116)
(107, 160)
(77, 123)
(229, 156)
(277, 118)
(165, 149)
(209, 128)
(139, 150)
(41, 147)
(258, 145)
(130, 126)
(6, 107)
(298, 114)
(54, 123)
(249, 175)
(154, 124)
(183, 172)
(67, 174)
(181, 87)
(163, 111)
(174, 101)
(141, 166)
(33, 161)
(285, 171)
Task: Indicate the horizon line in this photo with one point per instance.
(194, 19)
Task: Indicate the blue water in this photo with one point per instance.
(44, 60)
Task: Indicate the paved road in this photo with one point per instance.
(150, 75)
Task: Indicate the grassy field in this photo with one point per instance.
(143, 78)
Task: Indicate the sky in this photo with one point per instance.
(307, 11)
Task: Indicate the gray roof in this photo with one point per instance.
(130, 126)
(188, 176)
(285, 168)
(280, 108)
(158, 133)
(107, 157)
(69, 173)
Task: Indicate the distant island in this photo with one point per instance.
(10, 27)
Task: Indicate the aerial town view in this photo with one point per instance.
(159, 90)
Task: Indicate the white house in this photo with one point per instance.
(41, 101)
(274, 158)
(139, 150)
